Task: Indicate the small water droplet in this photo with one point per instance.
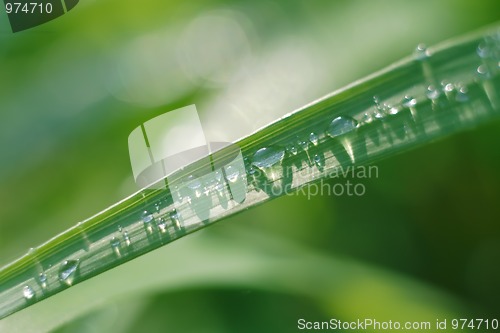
(176, 219)
(162, 225)
(28, 293)
(421, 52)
(303, 144)
(380, 109)
(126, 238)
(313, 137)
(68, 271)
(319, 160)
(393, 110)
(341, 125)
(367, 118)
(42, 278)
(292, 149)
(483, 50)
(483, 72)
(378, 114)
(462, 94)
(115, 245)
(448, 87)
(147, 218)
(232, 173)
(408, 101)
(433, 93)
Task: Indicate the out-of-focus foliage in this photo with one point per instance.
(425, 236)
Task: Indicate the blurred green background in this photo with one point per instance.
(424, 242)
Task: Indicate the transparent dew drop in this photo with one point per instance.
(319, 160)
(303, 144)
(28, 293)
(292, 149)
(433, 93)
(68, 270)
(176, 219)
(269, 161)
(408, 102)
(341, 125)
(378, 114)
(313, 137)
(232, 173)
(380, 109)
(367, 118)
(393, 110)
(448, 88)
(115, 246)
(267, 157)
(126, 238)
(147, 218)
(421, 52)
(462, 94)
(483, 50)
(483, 72)
(162, 225)
(42, 278)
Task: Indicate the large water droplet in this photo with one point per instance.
(267, 157)
(433, 93)
(115, 245)
(341, 125)
(313, 137)
(421, 52)
(268, 160)
(28, 293)
(68, 270)
(483, 72)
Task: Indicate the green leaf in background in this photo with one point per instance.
(288, 61)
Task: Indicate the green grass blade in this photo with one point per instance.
(427, 96)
